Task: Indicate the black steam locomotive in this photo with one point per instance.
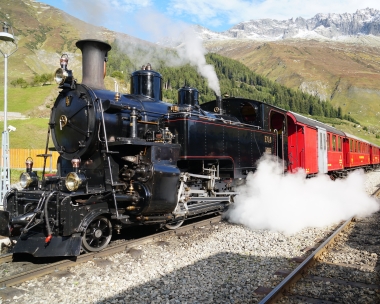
(131, 159)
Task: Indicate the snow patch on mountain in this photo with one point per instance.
(320, 27)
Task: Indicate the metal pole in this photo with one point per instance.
(5, 170)
(5, 183)
(5, 91)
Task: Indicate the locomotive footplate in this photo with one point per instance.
(57, 246)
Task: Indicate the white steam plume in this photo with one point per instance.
(288, 203)
(193, 50)
(170, 33)
(184, 39)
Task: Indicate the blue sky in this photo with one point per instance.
(142, 17)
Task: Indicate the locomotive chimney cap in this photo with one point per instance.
(80, 43)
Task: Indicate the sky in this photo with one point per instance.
(128, 16)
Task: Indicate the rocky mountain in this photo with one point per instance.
(321, 26)
(333, 56)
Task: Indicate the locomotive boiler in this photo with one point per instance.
(131, 159)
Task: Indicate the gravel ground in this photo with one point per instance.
(223, 263)
(353, 260)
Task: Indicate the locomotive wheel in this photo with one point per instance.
(97, 235)
(174, 225)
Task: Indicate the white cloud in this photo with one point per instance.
(216, 13)
(98, 9)
(129, 5)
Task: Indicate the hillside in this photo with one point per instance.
(333, 56)
(348, 75)
(43, 33)
(235, 80)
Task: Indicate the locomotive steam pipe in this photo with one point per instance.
(133, 123)
(219, 104)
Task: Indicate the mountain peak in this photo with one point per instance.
(322, 26)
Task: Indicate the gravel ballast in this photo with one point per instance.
(223, 263)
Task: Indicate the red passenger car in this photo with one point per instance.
(313, 146)
(335, 152)
(356, 152)
(302, 144)
(375, 155)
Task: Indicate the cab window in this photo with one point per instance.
(248, 112)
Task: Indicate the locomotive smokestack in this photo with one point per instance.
(94, 54)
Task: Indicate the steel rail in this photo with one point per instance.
(64, 264)
(297, 273)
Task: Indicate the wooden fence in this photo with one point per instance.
(17, 158)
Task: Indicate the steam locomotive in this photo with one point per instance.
(132, 159)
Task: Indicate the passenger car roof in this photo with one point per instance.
(314, 123)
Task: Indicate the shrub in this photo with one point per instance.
(21, 82)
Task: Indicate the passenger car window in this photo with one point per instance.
(334, 142)
(328, 142)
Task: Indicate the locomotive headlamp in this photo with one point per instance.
(74, 180)
(62, 76)
(25, 180)
(28, 178)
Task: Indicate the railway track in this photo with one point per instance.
(342, 269)
(31, 271)
(289, 293)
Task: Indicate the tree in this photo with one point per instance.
(19, 82)
(117, 74)
(42, 79)
(340, 112)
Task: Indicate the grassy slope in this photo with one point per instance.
(25, 100)
(31, 132)
(348, 75)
